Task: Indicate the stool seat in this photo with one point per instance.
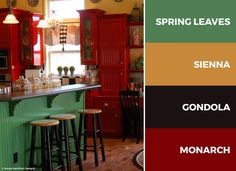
(44, 122)
(62, 117)
(90, 111)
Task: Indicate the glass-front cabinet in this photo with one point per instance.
(89, 35)
(25, 42)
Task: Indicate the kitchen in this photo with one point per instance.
(105, 67)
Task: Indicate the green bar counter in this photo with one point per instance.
(17, 109)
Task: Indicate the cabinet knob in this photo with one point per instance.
(106, 104)
(121, 62)
(116, 116)
(121, 73)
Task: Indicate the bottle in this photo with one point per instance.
(141, 13)
(135, 13)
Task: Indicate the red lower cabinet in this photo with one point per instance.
(110, 116)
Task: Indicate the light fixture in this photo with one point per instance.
(54, 20)
(43, 24)
(10, 18)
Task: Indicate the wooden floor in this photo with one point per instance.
(119, 156)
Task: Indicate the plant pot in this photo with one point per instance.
(59, 73)
(72, 72)
(65, 72)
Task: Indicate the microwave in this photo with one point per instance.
(3, 59)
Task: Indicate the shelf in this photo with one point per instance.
(135, 70)
(135, 46)
(140, 23)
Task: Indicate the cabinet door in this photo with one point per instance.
(25, 44)
(112, 41)
(4, 32)
(110, 116)
(110, 122)
(112, 81)
(89, 35)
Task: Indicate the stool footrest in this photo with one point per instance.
(57, 167)
(89, 132)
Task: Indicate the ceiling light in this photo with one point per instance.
(43, 24)
(10, 19)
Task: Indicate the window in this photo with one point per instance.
(65, 9)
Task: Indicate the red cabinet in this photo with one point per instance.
(109, 49)
(113, 53)
(89, 35)
(113, 41)
(110, 116)
(112, 80)
(19, 40)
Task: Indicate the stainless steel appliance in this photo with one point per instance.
(3, 59)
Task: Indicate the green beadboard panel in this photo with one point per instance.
(15, 131)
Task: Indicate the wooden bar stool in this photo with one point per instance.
(65, 137)
(95, 113)
(46, 150)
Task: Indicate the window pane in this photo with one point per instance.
(66, 59)
(66, 8)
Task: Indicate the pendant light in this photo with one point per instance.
(43, 24)
(54, 20)
(10, 18)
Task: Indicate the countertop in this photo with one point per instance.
(46, 92)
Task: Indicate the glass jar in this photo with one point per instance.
(22, 84)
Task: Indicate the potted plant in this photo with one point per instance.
(59, 69)
(72, 69)
(66, 70)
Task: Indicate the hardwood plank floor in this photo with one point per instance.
(119, 156)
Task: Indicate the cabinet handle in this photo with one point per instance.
(106, 104)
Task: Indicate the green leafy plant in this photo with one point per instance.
(72, 68)
(66, 70)
(59, 68)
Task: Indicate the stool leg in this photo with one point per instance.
(100, 136)
(67, 145)
(48, 148)
(85, 135)
(43, 148)
(78, 160)
(94, 140)
(61, 162)
(80, 131)
(32, 148)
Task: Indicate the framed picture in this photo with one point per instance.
(33, 3)
(95, 1)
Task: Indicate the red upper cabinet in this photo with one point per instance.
(113, 53)
(25, 37)
(23, 41)
(89, 35)
(113, 41)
